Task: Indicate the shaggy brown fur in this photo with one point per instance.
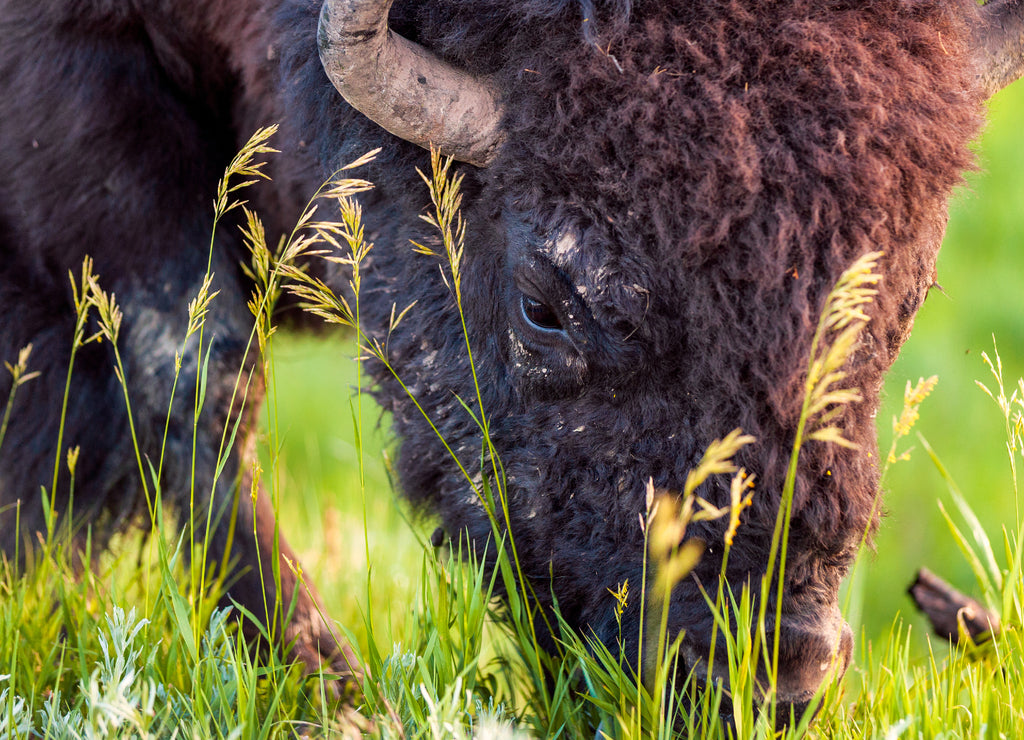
(718, 185)
(682, 184)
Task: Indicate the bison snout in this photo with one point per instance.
(810, 657)
(813, 652)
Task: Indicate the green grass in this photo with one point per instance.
(75, 662)
(980, 269)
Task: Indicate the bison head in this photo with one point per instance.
(655, 221)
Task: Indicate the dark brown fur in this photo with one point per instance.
(716, 163)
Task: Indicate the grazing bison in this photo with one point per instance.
(659, 198)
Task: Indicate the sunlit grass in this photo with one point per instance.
(76, 662)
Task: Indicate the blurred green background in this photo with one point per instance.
(981, 271)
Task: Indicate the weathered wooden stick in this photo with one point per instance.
(947, 609)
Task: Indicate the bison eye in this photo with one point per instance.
(540, 315)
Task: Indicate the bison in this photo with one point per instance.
(658, 197)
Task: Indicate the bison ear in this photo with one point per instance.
(997, 44)
(405, 88)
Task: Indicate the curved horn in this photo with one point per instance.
(998, 44)
(405, 88)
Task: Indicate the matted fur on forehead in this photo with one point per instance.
(741, 154)
(768, 139)
(737, 156)
(614, 285)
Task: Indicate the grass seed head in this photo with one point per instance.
(835, 340)
(913, 397)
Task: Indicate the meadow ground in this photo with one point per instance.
(358, 545)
